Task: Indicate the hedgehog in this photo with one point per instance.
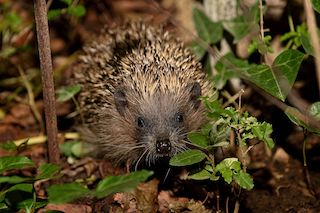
(140, 93)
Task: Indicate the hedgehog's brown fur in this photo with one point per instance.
(137, 73)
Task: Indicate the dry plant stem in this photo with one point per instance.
(312, 27)
(40, 10)
(261, 27)
(31, 101)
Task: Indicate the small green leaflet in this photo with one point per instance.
(316, 5)
(198, 139)
(187, 157)
(64, 193)
(47, 171)
(209, 31)
(244, 180)
(14, 162)
(67, 93)
(113, 184)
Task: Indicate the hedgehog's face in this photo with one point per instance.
(163, 120)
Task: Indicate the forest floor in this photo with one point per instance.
(282, 182)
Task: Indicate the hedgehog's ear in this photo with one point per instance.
(195, 93)
(120, 100)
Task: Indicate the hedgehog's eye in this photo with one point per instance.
(141, 122)
(179, 117)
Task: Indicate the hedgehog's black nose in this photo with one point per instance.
(163, 147)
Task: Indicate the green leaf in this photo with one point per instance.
(54, 13)
(316, 5)
(197, 49)
(25, 187)
(202, 175)
(67, 93)
(64, 193)
(123, 183)
(306, 44)
(3, 206)
(47, 171)
(9, 146)
(198, 139)
(68, 2)
(14, 162)
(242, 25)
(227, 168)
(187, 157)
(13, 179)
(222, 76)
(244, 180)
(31, 204)
(285, 69)
(276, 81)
(263, 132)
(292, 113)
(209, 31)
(315, 109)
(77, 11)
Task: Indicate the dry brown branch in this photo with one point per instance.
(312, 27)
(40, 12)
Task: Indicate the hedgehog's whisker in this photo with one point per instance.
(137, 163)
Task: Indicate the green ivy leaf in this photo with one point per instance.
(276, 81)
(242, 25)
(316, 5)
(65, 94)
(113, 184)
(14, 162)
(77, 11)
(209, 31)
(285, 69)
(197, 49)
(305, 42)
(47, 171)
(187, 157)
(291, 113)
(63, 193)
(244, 180)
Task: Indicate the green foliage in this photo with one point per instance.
(243, 24)
(209, 31)
(216, 134)
(298, 38)
(314, 110)
(316, 5)
(263, 46)
(276, 80)
(18, 192)
(68, 192)
(71, 9)
(67, 93)
(14, 162)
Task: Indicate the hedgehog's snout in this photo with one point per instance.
(163, 147)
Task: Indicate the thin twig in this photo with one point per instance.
(40, 12)
(313, 30)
